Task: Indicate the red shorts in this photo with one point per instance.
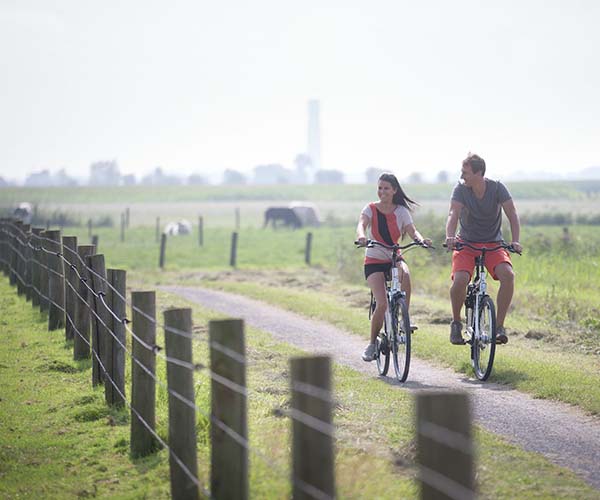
(465, 259)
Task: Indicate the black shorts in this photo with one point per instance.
(377, 268)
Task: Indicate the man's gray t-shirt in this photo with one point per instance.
(481, 220)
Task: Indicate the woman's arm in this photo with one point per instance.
(416, 235)
(361, 228)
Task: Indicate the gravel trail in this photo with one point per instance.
(562, 433)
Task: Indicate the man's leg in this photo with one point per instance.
(458, 292)
(504, 272)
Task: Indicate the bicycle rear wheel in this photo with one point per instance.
(484, 344)
(383, 354)
(401, 336)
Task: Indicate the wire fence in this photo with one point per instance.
(89, 302)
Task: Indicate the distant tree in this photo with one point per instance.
(372, 174)
(39, 179)
(128, 180)
(273, 173)
(415, 178)
(443, 176)
(233, 177)
(61, 178)
(3, 183)
(159, 178)
(196, 179)
(329, 177)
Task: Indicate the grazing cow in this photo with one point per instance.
(24, 212)
(176, 228)
(282, 216)
(307, 213)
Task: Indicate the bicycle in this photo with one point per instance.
(397, 331)
(481, 327)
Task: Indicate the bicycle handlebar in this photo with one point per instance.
(459, 245)
(372, 243)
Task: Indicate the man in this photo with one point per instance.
(478, 203)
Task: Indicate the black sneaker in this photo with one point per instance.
(456, 337)
(501, 337)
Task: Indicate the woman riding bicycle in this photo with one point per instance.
(388, 220)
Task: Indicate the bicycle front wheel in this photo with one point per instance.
(401, 335)
(484, 341)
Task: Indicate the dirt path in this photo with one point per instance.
(562, 433)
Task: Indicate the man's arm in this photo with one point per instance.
(515, 225)
(452, 223)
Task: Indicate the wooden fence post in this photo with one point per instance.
(200, 230)
(89, 224)
(122, 227)
(143, 386)
(312, 429)
(82, 341)
(157, 229)
(95, 242)
(115, 353)
(127, 217)
(101, 318)
(233, 255)
(43, 261)
(14, 252)
(22, 260)
(182, 418)
(163, 247)
(3, 229)
(27, 254)
(307, 250)
(229, 464)
(444, 445)
(71, 284)
(35, 266)
(56, 285)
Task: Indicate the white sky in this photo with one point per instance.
(200, 86)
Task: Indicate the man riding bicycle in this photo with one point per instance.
(477, 203)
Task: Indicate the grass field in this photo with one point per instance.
(553, 350)
(58, 440)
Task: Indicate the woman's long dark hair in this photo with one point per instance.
(400, 197)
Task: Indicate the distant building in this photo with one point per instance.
(313, 147)
(105, 173)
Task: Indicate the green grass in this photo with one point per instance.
(58, 440)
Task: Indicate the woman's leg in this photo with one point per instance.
(404, 276)
(376, 282)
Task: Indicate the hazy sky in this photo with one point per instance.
(200, 86)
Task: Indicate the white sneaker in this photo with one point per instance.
(370, 352)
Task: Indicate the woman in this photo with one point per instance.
(388, 220)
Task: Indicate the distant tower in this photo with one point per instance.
(313, 148)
